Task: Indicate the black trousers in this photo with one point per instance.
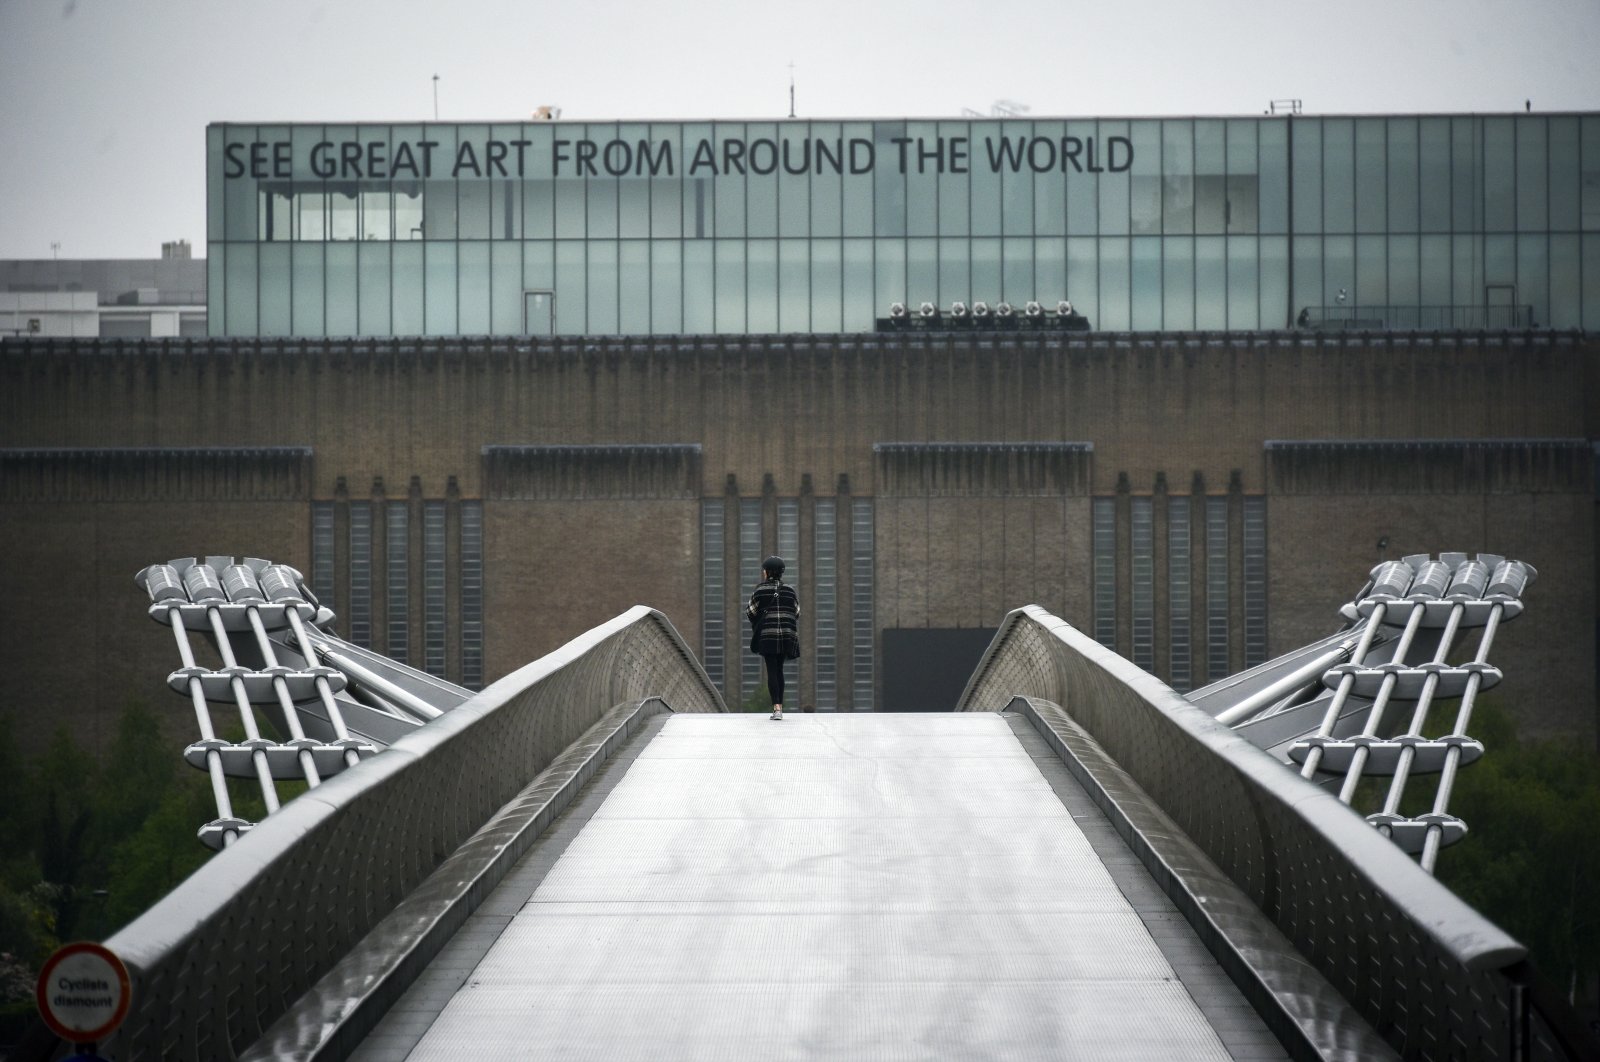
(774, 676)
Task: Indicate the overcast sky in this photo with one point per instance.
(104, 103)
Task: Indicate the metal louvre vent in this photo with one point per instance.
(1179, 596)
(749, 575)
(322, 552)
(861, 562)
(433, 588)
(1255, 581)
(361, 574)
(1216, 588)
(397, 548)
(1105, 571)
(713, 586)
(789, 550)
(472, 594)
(825, 607)
(1142, 516)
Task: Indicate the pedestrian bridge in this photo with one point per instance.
(593, 859)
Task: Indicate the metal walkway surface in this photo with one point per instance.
(829, 887)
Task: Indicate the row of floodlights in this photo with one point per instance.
(980, 309)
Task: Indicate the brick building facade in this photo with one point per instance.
(1201, 501)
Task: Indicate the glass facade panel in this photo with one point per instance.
(374, 270)
(827, 280)
(1402, 162)
(602, 283)
(1533, 202)
(1371, 176)
(1499, 175)
(1211, 282)
(761, 295)
(442, 229)
(472, 296)
(306, 290)
(1145, 283)
(1273, 160)
(666, 287)
(1338, 175)
(276, 278)
(339, 310)
(1244, 305)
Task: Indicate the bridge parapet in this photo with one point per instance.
(1430, 974)
(228, 951)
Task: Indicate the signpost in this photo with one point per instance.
(83, 994)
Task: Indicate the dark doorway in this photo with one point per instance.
(925, 670)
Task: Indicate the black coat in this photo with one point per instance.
(774, 613)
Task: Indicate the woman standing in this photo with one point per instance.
(774, 612)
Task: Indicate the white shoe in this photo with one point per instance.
(778, 715)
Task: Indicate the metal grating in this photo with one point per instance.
(472, 595)
(361, 574)
(1104, 550)
(749, 575)
(1179, 572)
(713, 587)
(1142, 520)
(322, 552)
(1255, 581)
(861, 636)
(1216, 588)
(789, 550)
(433, 588)
(397, 546)
(825, 607)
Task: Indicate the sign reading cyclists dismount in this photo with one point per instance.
(83, 992)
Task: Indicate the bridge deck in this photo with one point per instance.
(852, 886)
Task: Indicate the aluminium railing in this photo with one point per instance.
(230, 949)
(1432, 975)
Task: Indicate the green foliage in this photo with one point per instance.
(1531, 858)
(87, 844)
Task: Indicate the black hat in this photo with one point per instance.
(773, 565)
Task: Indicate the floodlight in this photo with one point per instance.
(1033, 309)
(929, 310)
(898, 310)
(980, 309)
(1064, 308)
(958, 309)
(1003, 309)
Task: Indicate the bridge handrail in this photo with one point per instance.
(228, 950)
(1415, 960)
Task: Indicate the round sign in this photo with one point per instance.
(83, 992)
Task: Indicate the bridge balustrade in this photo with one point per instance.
(226, 953)
(1429, 973)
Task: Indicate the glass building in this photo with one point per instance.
(1415, 221)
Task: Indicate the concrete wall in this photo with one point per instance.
(963, 532)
